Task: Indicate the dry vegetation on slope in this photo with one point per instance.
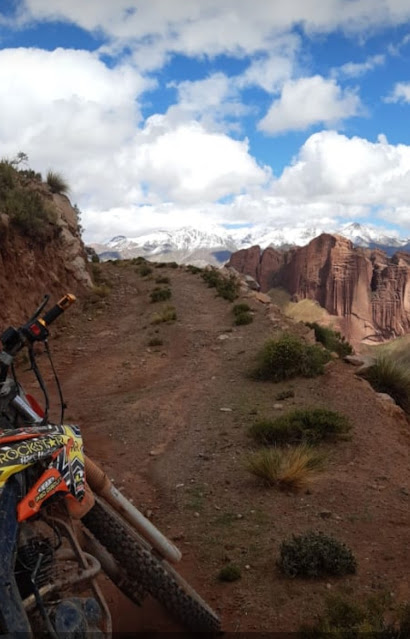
(166, 408)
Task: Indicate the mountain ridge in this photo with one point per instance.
(214, 245)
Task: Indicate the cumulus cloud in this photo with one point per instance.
(356, 69)
(400, 93)
(352, 172)
(309, 101)
(212, 27)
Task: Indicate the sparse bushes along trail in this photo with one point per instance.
(332, 340)
(288, 356)
(286, 468)
(391, 377)
(315, 555)
(303, 425)
(226, 287)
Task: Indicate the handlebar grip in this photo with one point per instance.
(58, 309)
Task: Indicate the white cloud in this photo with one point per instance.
(400, 93)
(352, 172)
(212, 27)
(356, 69)
(309, 101)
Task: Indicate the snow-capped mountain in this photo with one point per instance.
(214, 246)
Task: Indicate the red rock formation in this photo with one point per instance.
(366, 290)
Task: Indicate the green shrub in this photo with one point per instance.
(284, 395)
(193, 269)
(160, 294)
(315, 555)
(332, 340)
(243, 318)
(345, 618)
(303, 425)
(138, 260)
(287, 469)
(155, 341)
(101, 291)
(161, 265)
(162, 280)
(287, 357)
(389, 376)
(8, 177)
(226, 287)
(230, 572)
(144, 270)
(57, 183)
(238, 309)
(168, 314)
(173, 265)
(95, 259)
(29, 213)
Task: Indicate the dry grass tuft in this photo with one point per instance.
(287, 469)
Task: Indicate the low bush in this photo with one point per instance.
(230, 572)
(155, 341)
(377, 616)
(389, 376)
(173, 265)
(238, 309)
(57, 183)
(332, 340)
(226, 287)
(287, 357)
(29, 213)
(286, 469)
(160, 294)
(193, 269)
(168, 314)
(243, 318)
(287, 394)
(302, 425)
(162, 280)
(144, 270)
(101, 291)
(314, 555)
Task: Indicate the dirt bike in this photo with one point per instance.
(62, 521)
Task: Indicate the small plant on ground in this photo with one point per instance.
(314, 555)
(287, 394)
(173, 265)
(242, 319)
(230, 572)
(155, 341)
(242, 314)
(332, 340)
(144, 270)
(168, 314)
(57, 183)
(287, 357)
(389, 376)
(193, 269)
(226, 287)
(286, 469)
(162, 280)
(302, 425)
(101, 291)
(238, 309)
(160, 294)
(344, 617)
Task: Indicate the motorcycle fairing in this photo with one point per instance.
(24, 447)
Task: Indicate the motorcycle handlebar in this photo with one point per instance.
(58, 309)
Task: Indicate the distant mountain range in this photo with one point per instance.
(215, 246)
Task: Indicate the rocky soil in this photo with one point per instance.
(169, 425)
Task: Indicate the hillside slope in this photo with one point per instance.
(152, 417)
(41, 250)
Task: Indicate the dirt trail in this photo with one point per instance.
(152, 417)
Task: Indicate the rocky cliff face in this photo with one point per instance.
(30, 267)
(367, 291)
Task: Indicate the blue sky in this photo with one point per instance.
(213, 113)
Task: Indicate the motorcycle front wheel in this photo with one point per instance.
(156, 576)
